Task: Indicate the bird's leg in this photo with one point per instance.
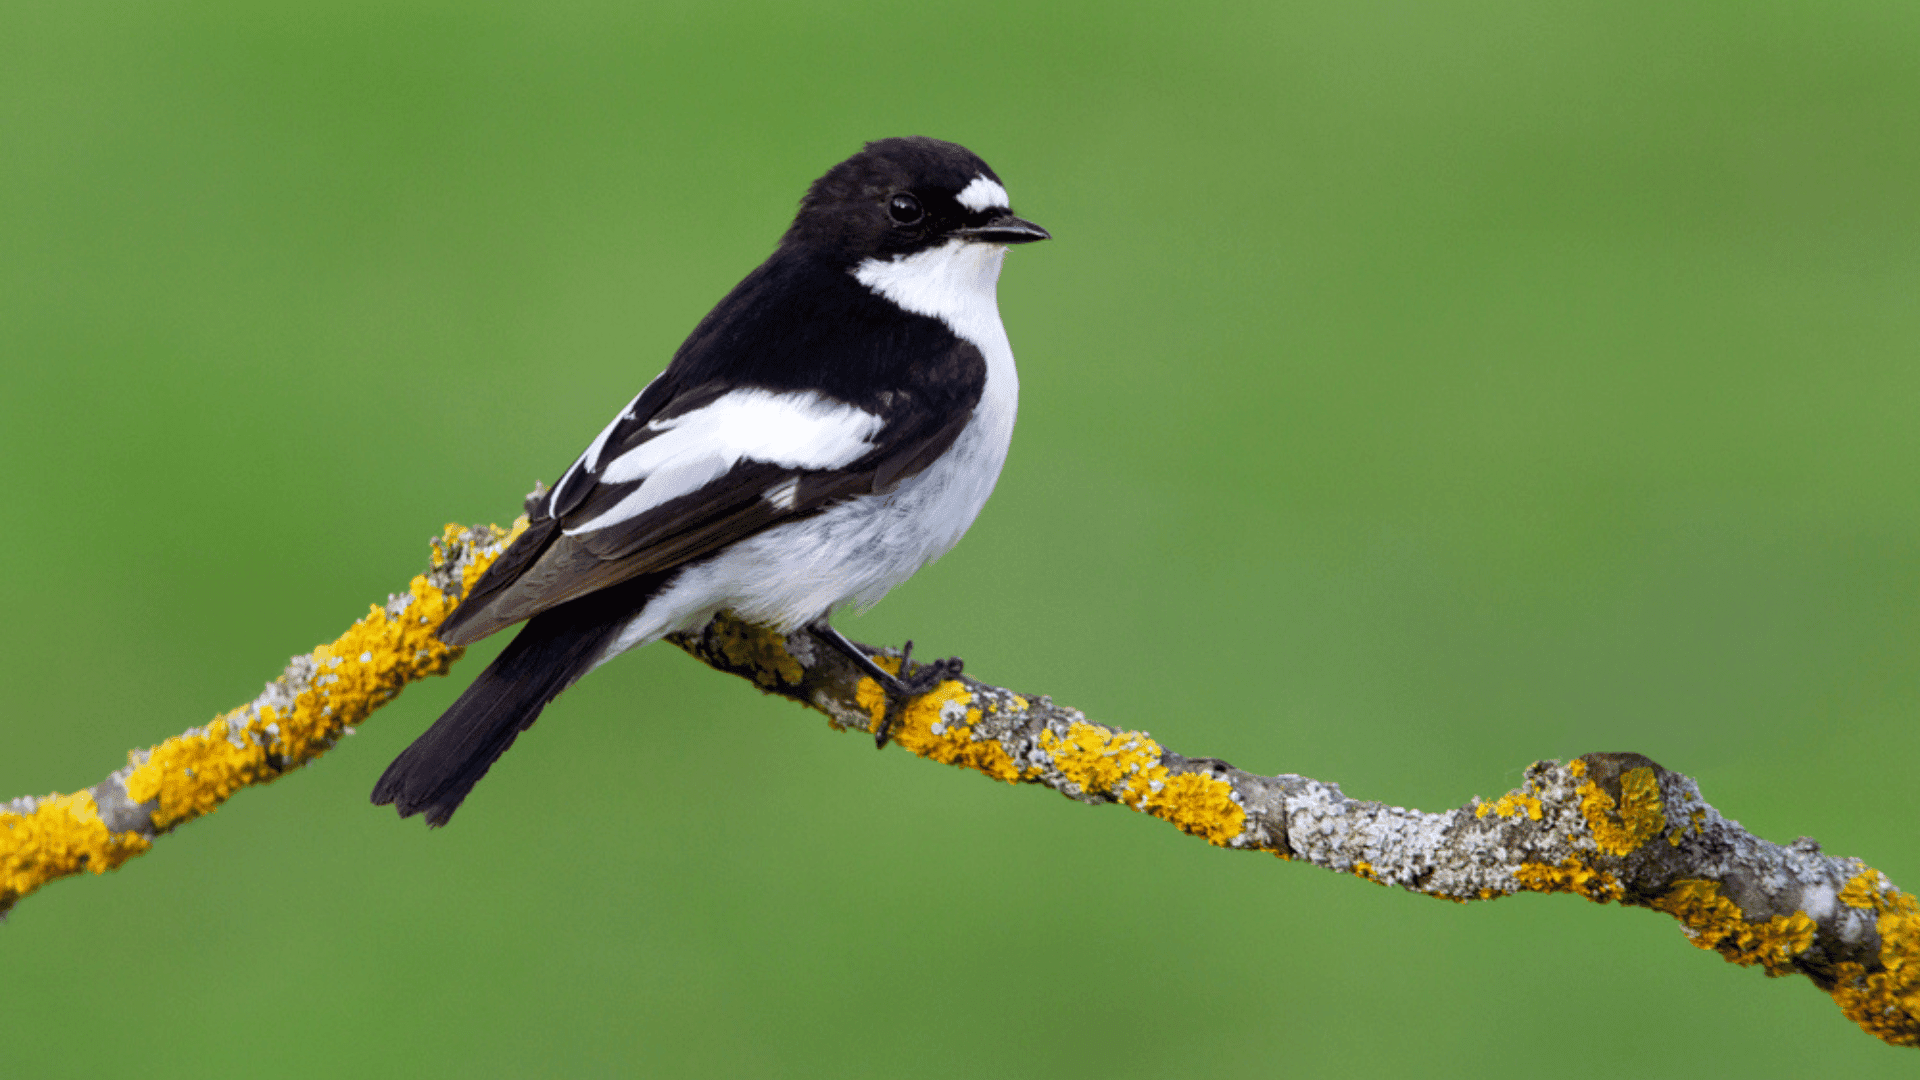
(899, 690)
(825, 632)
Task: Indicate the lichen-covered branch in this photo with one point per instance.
(1613, 828)
(298, 717)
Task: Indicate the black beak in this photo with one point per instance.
(1005, 229)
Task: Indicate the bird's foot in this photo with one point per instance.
(908, 685)
(899, 689)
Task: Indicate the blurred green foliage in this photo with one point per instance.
(1413, 391)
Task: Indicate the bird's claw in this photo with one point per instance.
(908, 685)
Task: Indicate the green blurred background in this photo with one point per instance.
(1413, 391)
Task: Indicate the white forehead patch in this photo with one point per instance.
(983, 193)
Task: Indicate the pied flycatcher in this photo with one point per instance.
(832, 426)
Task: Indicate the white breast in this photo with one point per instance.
(854, 553)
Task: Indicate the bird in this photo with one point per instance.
(834, 424)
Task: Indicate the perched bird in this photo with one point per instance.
(832, 426)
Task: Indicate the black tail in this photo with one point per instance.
(556, 647)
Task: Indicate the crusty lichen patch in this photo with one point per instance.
(751, 648)
(1084, 760)
(193, 773)
(1714, 922)
(1198, 805)
(939, 726)
(869, 694)
(298, 718)
(1513, 803)
(1885, 1002)
(1129, 767)
(61, 835)
(1120, 765)
(1570, 875)
(1640, 816)
(1864, 891)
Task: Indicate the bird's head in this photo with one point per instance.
(903, 196)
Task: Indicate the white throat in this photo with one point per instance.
(954, 283)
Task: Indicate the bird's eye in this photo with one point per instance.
(905, 209)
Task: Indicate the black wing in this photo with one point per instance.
(800, 390)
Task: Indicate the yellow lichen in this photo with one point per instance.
(1127, 766)
(1198, 805)
(1123, 765)
(1641, 816)
(1886, 1002)
(1364, 869)
(1863, 890)
(1715, 922)
(747, 646)
(63, 835)
(1570, 876)
(938, 725)
(870, 696)
(1510, 805)
(193, 773)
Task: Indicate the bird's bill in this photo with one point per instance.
(1005, 229)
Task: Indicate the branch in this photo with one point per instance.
(1614, 828)
(297, 718)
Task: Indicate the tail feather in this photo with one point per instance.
(434, 775)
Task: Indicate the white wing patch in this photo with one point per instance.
(983, 193)
(794, 430)
(783, 494)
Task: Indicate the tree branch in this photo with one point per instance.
(297, 718)
(1614, 828)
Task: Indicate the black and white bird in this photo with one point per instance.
(835, 424)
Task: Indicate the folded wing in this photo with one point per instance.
(683, 472)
